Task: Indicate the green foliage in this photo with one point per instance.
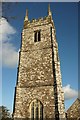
(4, 112)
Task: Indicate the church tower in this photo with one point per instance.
(38, 92)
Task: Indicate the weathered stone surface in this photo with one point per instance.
(26, 95)
(39, 74)
(74, 110)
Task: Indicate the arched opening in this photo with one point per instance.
(36, 110)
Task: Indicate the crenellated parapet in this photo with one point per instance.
(38, 22)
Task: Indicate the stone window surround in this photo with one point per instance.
(36, 109)
(37, 35)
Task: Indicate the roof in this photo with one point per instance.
(77, 100)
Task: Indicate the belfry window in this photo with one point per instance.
(37, 36)
(36, 110)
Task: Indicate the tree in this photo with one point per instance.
(0, 112)
(4, 112)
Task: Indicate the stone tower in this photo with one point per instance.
(38, 92)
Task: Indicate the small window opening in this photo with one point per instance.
(37, 36)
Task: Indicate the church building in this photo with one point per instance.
(38, 91)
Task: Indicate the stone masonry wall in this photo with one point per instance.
(35, 71)
(60, 94)
(74, 110)
(35, 67)
(26, 95)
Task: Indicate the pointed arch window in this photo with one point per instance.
(36, 110)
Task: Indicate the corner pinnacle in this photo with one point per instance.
(26, 17)
(49, 11)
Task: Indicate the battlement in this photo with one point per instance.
(38, 22)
